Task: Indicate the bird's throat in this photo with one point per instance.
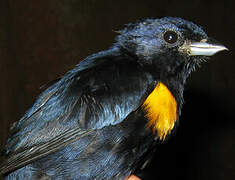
(161, 110)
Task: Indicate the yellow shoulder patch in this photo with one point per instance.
(161, 110)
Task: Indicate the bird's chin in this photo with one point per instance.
(200, 59)
(194, 62)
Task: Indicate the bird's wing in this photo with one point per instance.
(25, 156)
(99, 92)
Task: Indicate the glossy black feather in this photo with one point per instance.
(90, 124)
(101, 91)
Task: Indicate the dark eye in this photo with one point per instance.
(170, 37)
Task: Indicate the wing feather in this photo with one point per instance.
(30, 154)
(101, 91)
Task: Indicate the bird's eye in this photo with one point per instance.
(170, 37)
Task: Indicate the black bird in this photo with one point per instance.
(104, 118)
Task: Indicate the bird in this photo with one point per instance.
(105, 118)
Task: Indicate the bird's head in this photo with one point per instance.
(170, 45)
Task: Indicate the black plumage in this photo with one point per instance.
(91, 123)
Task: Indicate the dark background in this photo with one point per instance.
(41, 40)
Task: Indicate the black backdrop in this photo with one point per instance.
(41, 40)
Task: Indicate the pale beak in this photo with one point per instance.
(202, 48)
